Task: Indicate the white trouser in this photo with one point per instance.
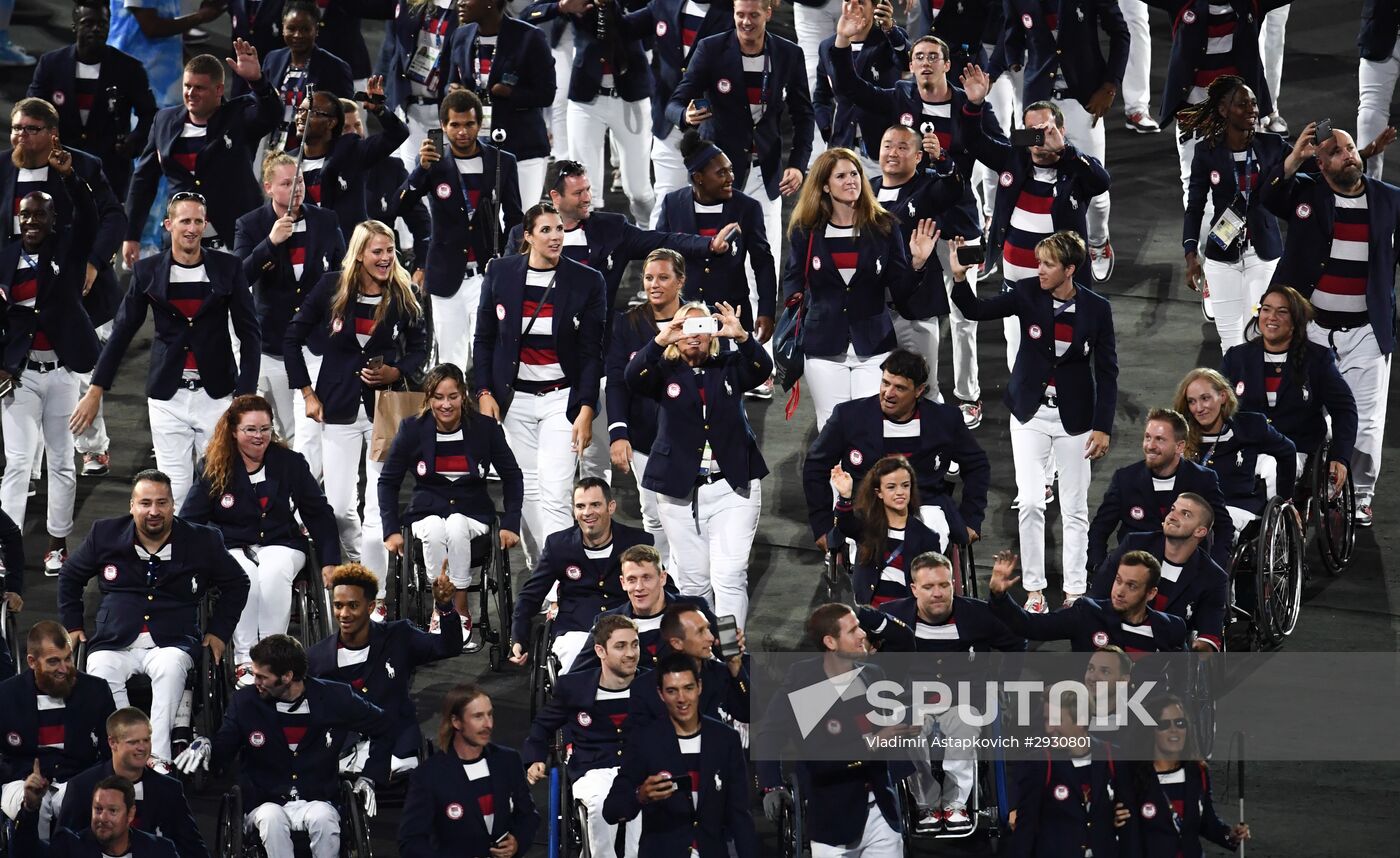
(935, 519)
(1089, 138)
(591, 788)
(1240, 518)
(959, 764)
(651, 518)
(669, 168)
(12, 799)
(347, 444)
(877, 840)
(1271, 52)
(711, 534)
(167, 666)
(34, 416)
(95, 439)
(308, 431)
(1235, 289)
(567, 646)
(1376, 84)
(558, 111)
(181, 428)
(272, 385)
(1005, 99)
(530, 174)
(419, 118)
(276, 822)
(834, 380)
(1136, 97)
(921, 336)
(541, 437)
(772, 227)
(1031, 444)
(596, 460)
(449, 540)
(812, 24)
(454, 323)
(1267, 469)
(967, 385)
(1367, 373)
(268, 610)
(628, 121)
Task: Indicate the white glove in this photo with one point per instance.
(196, 756)
(364, 788)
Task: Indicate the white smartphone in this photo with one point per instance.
(701, 325)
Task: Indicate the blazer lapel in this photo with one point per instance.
(159, 290)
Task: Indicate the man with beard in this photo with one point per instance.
(53, 718)
(112, 833)
(1340, 252)
(597, 710)
(156, 569)
(283, 731)
(1193, 586)
(161, 807)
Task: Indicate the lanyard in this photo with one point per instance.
(1242, 184)
(462, 179)
(31, 261)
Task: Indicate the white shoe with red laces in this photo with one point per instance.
(1140, 122)
(1207, 305)
(243, 675)
(53, 562)
(971, 413)
(1035, 603)
(1070, 599)
(380, 612)
(956, 819)
(1101, 261)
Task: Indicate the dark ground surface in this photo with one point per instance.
(1295, 809)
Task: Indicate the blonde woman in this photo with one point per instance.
(372, 332)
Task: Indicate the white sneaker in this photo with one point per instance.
(955, 818)
(1070, 599)
(763, 391)
(243, 675)
(1035, 603)
(1141, 123)
(1101, 261)
(380, 613)
(53, 562)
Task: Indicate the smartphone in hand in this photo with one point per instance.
(1027, 137)
(728, 633)
(435, 135)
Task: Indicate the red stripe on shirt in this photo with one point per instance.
(1343, 231)
(538, 357)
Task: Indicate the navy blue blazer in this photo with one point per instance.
(523, 51)
(716, 72)
(207, 334)
(721, 692)
(55, 80)
(650, 639)
(1200, 596)
(1308, 204)
(1130, 506)
(1078, 178)
(841, 314)
(221, 171)
(614, 241)
(595, 741)
(936, 196)
(277, 292)
(84, 728)
(168, 602)
(833, 788)
(631, 77)
(1075, 54)
(966, 26)
(669, 826)
(631, 418)
(1190, 34)
(396, 650)
(58, 306)
(1086, 376)
(402, 342)
(865, 574)
(669, 56)
(292, 494)
(339, 31)
(884, 57)
(325, 72)
(162, 810)
(673, 467)
(578, 297)
(268, 769)
(713, 278)
(854, 437)
(67, 843)
(1233, 460)
(1380, 20)
(975, 627)
(1304, 402)
(353, 164)
(1054, 821)
(486, 450)
(441, 819)
(1164, 836)
(587, 587)
(1214, 170)
(459, 228)
(1091, 624)
(401, 43)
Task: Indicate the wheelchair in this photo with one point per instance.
(1332, 517)
(412, 590)
(987, 805)
(837, 585)
(544, 665)
(310, 603)
(568, 818)
(232, 838)
(1267, 562)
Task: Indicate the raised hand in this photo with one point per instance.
(975, 83)
(843, 482)
(922, 243)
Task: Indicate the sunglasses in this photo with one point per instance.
(182, 196)
(1169, 723)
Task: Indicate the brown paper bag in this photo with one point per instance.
(390, 408)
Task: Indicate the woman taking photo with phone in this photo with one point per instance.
(705, 465)
(374, 336)
(887, 537)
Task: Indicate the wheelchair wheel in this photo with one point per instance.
(210, 702)
(413, 589)
(578, 831)
(312, 626)
(1201, 698)
(544, 667)
(836, 579)
(10, 630)
(791, 827)
(354, 825)
(497, 603)
(1279, 573)
(967, 569)
(228, 836)
(1333, 516)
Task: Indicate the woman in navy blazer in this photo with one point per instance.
(846, 253)
(301, 67)
(450, 447)
(705, 465)
(1062, 395)
(887, 537)
(253, 489)
(1230, 442)
(375, 335)
(1294, 382)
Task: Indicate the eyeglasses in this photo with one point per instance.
(182, 196)
(254, 431)
(30, 130)
(928, 58)
(1167, 724)
(324, 114)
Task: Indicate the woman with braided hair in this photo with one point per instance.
(1232, 251)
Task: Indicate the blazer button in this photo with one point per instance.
(196, 183)
(150, 598)
(147, 618)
